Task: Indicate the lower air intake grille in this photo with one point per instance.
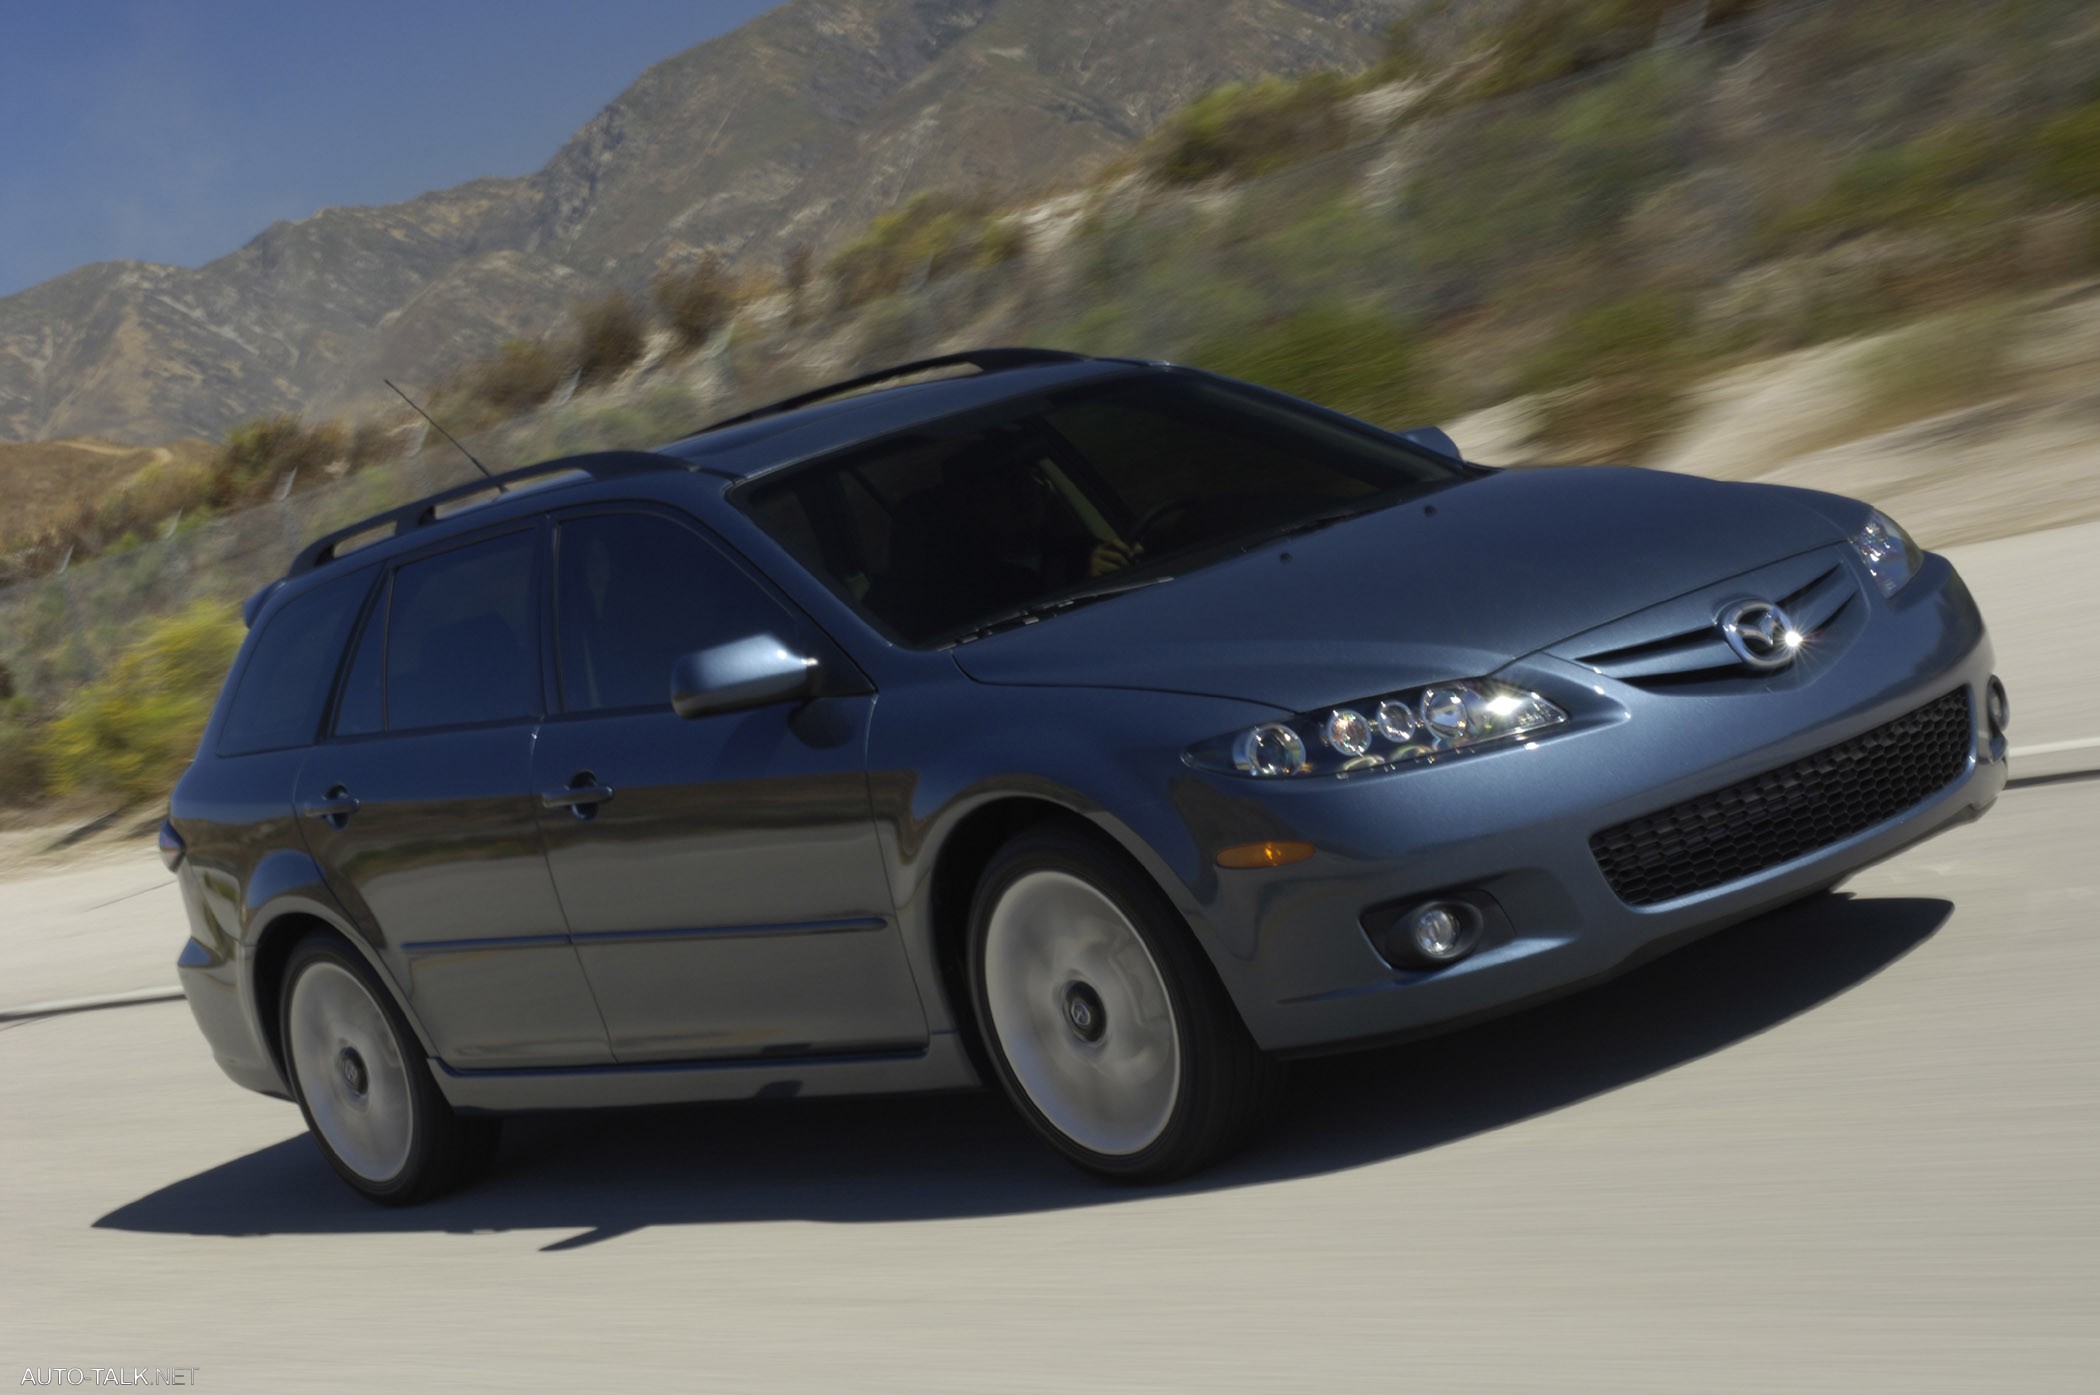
(1785, 813)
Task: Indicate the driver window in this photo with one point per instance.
(636, 591)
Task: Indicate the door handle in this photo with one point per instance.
(582, 796)
(334, 809)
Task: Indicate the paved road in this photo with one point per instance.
(1848, 1147)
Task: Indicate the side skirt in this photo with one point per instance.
(942, 1064)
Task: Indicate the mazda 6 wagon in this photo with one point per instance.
(1109, 730)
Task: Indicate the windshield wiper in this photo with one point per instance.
(1313, 523)
(1071, 600)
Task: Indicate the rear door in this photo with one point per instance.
(726, 893)
(419, 808)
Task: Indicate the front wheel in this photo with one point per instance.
(363, 1085)
(1105, 1025)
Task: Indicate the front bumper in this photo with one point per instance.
(1515, 823)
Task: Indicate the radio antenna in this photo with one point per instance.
(440, 430)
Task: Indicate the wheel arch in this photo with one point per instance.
(969, 847)
(277, 933)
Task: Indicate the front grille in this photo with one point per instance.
(1785, 813)
(1815, 605)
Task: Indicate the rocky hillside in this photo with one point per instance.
(793, 130)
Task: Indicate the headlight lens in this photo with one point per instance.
(1381, 732)
(1888, 552)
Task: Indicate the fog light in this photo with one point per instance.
(1438, 931)
(1997, 706)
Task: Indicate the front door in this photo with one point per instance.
(418, 806)
(720, 875)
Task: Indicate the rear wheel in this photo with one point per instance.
(1103, 1022)
(363, 1084)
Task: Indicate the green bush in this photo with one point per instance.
(610, 337)
(1636, 333)
(1541, 41)
(1617, 372)
(24, 773)
(1546, 185)
(132, 731)
(1937, 180)
(1936, 365)
(1349, 359)
(2067, 151)
(930, 237)
(1244, 129)
(663, 414)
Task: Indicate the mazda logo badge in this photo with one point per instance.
(1761, 634)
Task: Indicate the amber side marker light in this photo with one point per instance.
(1264, 854)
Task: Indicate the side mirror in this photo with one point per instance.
(745, 673)
(1436, 441)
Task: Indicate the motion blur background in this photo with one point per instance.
(1843, 243)
(1849, 244)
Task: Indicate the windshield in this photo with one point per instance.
(954, 526)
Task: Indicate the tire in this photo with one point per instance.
(364, 1085)
(1102, 1020)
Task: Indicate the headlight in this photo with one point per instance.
(1888, 552)
(1381, 732)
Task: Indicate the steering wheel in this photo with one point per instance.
(1151, 517)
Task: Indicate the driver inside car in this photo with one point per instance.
(1012, 506)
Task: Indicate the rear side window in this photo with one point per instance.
(636, 591)
(459, 640)
(282, 692)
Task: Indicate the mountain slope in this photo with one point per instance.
(796, 128)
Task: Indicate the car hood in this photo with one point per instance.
(1452, 585)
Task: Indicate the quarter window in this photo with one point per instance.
(284, 688)
(637, 591)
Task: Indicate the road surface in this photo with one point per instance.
(1848, 1147)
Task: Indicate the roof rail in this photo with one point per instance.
(983, 360)
(424, 512)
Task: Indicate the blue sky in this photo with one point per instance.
(175, 131)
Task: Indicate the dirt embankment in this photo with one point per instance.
(42, 482)
(1965, 427)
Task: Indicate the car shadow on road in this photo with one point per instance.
(607, 1174)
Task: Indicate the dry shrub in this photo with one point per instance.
(695, 299)
(794, 274)
(520, 376)
(259, 454)
(610, 336)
